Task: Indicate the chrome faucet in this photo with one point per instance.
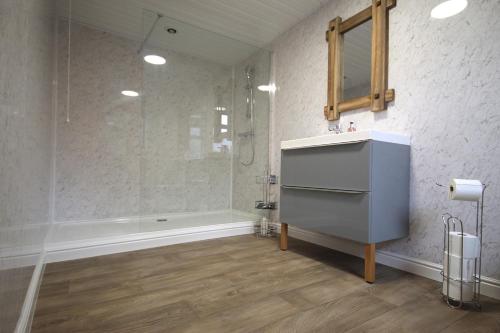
(336, 128)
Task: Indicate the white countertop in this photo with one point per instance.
(344, 138)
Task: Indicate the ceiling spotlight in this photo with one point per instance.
(171, 30)
(448, 8)
(155, 59)
(130, 93)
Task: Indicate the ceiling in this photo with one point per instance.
(225, 31)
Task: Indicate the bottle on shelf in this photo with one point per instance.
(351, 127)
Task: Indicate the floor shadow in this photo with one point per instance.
(339, 260)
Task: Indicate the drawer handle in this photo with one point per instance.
(322, 189)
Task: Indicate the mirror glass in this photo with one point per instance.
(357, 61)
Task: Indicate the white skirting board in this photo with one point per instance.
(109, 245)
(489, 287)
(17, 260)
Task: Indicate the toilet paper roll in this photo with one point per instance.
(471, 244)
(454, 292)
(467, 270)
(465, 189)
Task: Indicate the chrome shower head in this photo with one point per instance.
(249, 72)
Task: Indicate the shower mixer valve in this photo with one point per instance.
(267, 179)
(259, 204)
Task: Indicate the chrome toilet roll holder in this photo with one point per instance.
(453, 223)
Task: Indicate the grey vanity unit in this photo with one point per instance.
(353, 185)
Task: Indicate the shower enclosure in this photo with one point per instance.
(176, 142)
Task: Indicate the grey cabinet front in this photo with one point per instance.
(315, 167)
(344, 214)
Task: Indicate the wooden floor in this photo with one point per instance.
(243, 284)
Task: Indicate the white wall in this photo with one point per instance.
(26, 57)
(446, 74)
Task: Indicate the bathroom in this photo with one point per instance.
(146, 155)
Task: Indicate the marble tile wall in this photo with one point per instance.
(26, 58)
(447, 76)
(121, 156)
(186, 164)
(99, 133)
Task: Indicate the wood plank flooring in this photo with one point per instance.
(243, 284)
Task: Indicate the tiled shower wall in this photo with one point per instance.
(183, 167)
(446, 74)
(98, 135)
(120, 156)
(246, 190)
(26, 58)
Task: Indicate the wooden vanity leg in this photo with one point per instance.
(284, 237)
(370, 263)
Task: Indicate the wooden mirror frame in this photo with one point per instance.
(378, 12)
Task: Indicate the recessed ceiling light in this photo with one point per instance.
(155, 59)
(130, 93)
(171, 30)
(448, 8)
(268, 87)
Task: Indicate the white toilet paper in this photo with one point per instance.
(454, 292)
(467, 269)
(466, 189)
(471, 244)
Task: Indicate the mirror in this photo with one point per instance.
(357, 61)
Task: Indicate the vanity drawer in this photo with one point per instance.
(342, 214)
(344, 166)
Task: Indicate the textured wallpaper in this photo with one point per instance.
(446, 74)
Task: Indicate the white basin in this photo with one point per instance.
(343, 138)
